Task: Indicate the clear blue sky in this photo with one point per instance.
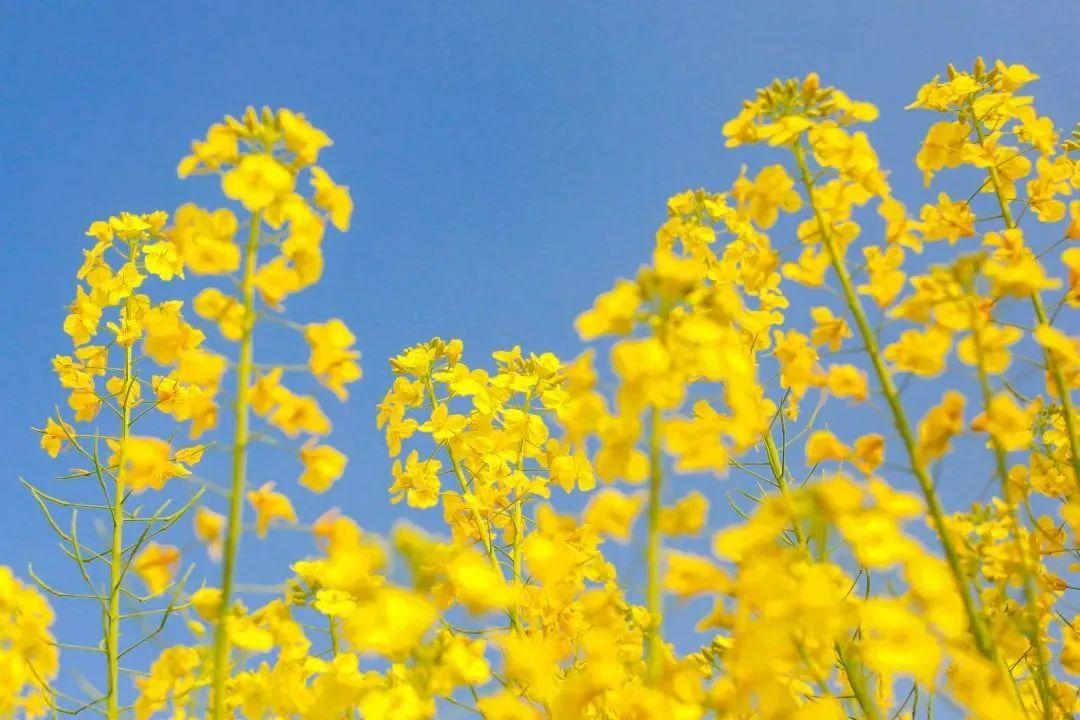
(508, 160)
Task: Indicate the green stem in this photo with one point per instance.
(116, 554)
(1031, 627)
(780, 475)
(982, 638)
(851, 666)
(481, 526)
(234, 527)
(334, 647)
(857, 681)
(654, 598)
(1064, 393)
(1060, 383)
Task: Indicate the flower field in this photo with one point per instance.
(675, 521)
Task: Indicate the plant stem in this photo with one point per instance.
(654, 597)
(333, 636)
(888, 388)
(116, 554)
(1064, 393)
(857, 682)
(481, 526)
(1060, 383)
(780, 475)
(1031, 627)
(852, 668)
(239, 470)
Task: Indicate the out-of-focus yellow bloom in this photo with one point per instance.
(270, 506)
(209, 529)
(613, 513)
(323, 464)
(333, 358)
(257, 181)
(157, 565)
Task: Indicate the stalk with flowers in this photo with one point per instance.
(259, 159)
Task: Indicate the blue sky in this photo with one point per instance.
(508, 160)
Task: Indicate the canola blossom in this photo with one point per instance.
(843, 586)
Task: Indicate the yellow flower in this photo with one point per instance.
(947, 220)
(225, 310)
(993, 350)
(477, 585)
(323, 464)
(869, 452)
(206, 240)
(798, 361)
(269, 506)
(828, 329)
(167, 334)
(689, 575)
(85, 403)
(219, 148)
(618, 456)
(333, 198)
(299, 413)
(810, 269)
(29, 654)
(157, 566)
(444, 425)
(922, 352)
(1052, 180)
(770, 192)
(940, 425)
(1064, 349)
(1006, 422)
(209, 529)
(506, 705)
(82, 323)
(56, 436)
(206, 602)
(276, 280)
(612, 313)
(943, 147)
(822, 445)
(847, 381)
(1072, 232)
(333, 359)
(1071, 260)
(112, 290)
(647, 373)
(686, 517)
(163, 260)
(303, 138)
(610, 512)
(145, 463)
(390, 624)
(894, 640)
(417, 482)
(886, 278)
(257, 181)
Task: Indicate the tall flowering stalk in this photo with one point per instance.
(108, 320)
(260, 159)
(812, 122)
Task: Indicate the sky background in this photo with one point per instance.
(508, 161)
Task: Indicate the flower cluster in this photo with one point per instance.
(28, 656)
